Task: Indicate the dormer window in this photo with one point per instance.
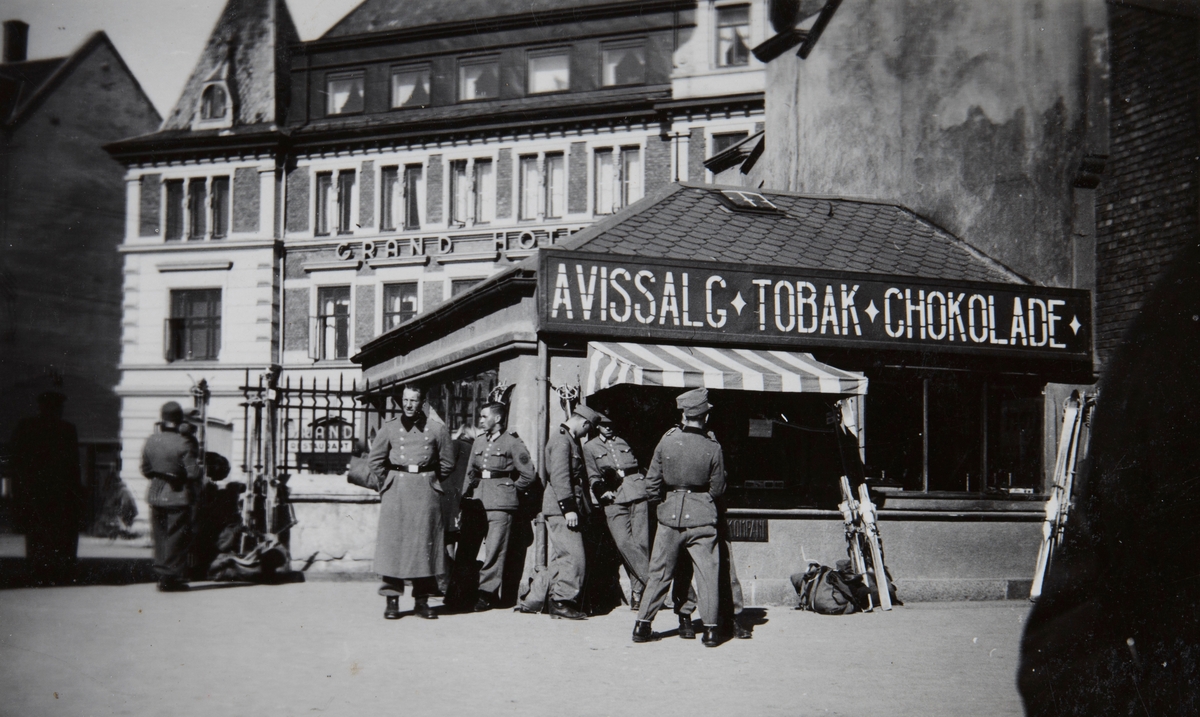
(344, 93)
(214, 103)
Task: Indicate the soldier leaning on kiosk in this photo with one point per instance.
(500, 470)
(687, 473)
(172, 462)
(564, 473)
(411, 456)
(620, 486)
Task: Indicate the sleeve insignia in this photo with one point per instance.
(523, 458)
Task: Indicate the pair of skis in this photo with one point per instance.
(862, 528)
(1072, 448)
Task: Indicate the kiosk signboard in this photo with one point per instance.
(632, 297)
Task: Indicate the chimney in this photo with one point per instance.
(16, 41)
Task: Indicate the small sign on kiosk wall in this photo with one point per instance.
(747, 530)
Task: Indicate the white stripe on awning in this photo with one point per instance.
(612, 363)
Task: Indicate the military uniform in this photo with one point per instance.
(500, 468)
(411, 457)
(611, 466)
(687, 473)
(172, 463)
(565, 473)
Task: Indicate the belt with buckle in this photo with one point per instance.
(412, 469)
(496, 475)
(688, 489)
(627, 472)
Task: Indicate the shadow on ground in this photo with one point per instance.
(89, 571)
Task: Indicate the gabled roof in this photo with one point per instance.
(398, 15)
(249, 48)
(690, 221)
(23, 85)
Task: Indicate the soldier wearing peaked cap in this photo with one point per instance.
(500, 469)
(619, 484)
(687, 473)
(564, 473)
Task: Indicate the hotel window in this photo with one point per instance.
(220, 207)
(458, 286)
(733, 36)
(623, 64)
(344, 93)
(410, 87)
(530, 187)
(194, 329)
(324, 197)
(472, 191)
(556, 186)
(399, 303)
(549, 72)
(618, 179)
(333, 323)
(197, 208)
(345, 201)
(478, 79)
(174, 213)
(401, 201)
(725, 140)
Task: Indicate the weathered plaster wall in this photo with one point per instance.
(973, 113)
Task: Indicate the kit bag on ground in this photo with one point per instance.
(827, 591)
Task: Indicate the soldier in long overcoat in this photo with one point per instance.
(411, 456)
(48, 496)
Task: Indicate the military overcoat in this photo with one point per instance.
(411, 458)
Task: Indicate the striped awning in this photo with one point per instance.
(612, 363)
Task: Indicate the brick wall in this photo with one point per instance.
(245, 199)
(364, 314)
(577, 178)
(696, 155)
(297, 200)
(1147, 202)
(504, 184)
(295, 312)
(149, 203)
(433, 189)
(366, 195)
(658, 163)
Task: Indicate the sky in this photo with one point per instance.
(160, 40)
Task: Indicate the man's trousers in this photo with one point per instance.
(629, 525)
(701, 545)
(567, 562)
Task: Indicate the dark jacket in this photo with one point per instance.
(172, 463)
(564, 472)
(687, 473)
(45, 468)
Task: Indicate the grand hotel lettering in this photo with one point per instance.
(639, 297)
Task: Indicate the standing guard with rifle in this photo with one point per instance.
(172, 463)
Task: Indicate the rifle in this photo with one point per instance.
(871, 528)
(1072, 446)
(854, 535)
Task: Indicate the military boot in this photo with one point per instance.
(561, 609)
(686, 631)
(393, 608)
(423, 610)
(641, 631)
(635, 601)
(710, 636)
(740, 630)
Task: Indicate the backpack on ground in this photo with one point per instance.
(826, 591)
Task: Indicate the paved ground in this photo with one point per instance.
(323, 648)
